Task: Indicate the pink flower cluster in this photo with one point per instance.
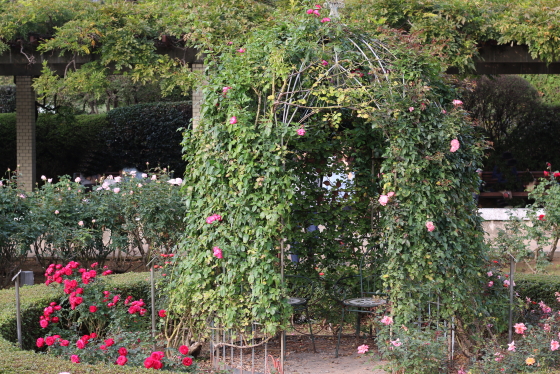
(46, 318)
(213, 218)
(51, 340)
(363, 349)
(386, 320)
(384, 199)
(454, 145)
(430, 226)
(520, 328)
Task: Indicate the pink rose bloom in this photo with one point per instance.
(490, 284)
(410, 109)
(144, 175)
(75, 359)
(386, 320)
(390, 194)
(241, 50)
(554, 345)
(443, 111)
(324, 63)
(226, 89)
(316, 12)
(457, 102)
(43, 178)
(309, 11)
(511, 346)
(117, 179)
(154, 177)
(519, 328)
(326, 19)
(56, 212)
(489, 273)
(454, 145)
(217, 252)
(430, 226)
(81, 223)
(78, 180)
(40, 342)
(233, 120)
(116, 190)
(80, 344)
(301, 132)
(396, 343)
(64, 343)
(317, 6)
(383, 200)
(92, 308)
(363, 349)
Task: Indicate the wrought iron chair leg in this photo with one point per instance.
(358, 325)
(339, 332)
(310, 328)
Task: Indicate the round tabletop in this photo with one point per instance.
(297, 301)
(364, 302)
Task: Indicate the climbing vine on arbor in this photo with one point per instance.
(312, 123)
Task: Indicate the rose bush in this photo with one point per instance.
(92, 324)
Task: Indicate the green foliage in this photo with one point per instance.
(547, 86)
(512, 115)
(413, 350)
(123, 217)
(94, 144)
(147, 133)
(7, 99)
(34, 300)
(538, 287)
(390, 129)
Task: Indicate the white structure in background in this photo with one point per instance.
(334, 6)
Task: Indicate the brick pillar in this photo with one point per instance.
(197, 96)
(25, 124)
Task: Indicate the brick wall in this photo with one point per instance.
(25, 120)
(197, 96)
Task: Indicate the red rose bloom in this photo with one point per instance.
(121, 360)
(40, 342)
(158, 355)
(64, 343)
(556, 175)
(149, 363)
(158, 365)
(546, 173)
(109, 342)
(541, 217)
(187, 361)
(184, 350)
(80, 344)
(44, 323)
(50, 340)
(92, 308)
(92, 335)
(75, 359)
(123, 351)
(162, 313)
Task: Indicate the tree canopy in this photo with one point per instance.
(123, 35)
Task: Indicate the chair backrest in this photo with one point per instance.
(299, 286)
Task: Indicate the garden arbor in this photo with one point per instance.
(370, 117)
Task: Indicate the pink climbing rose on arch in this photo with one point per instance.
(454, 145)
(218, 252)
(430, 226)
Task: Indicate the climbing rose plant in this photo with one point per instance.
(373, 163)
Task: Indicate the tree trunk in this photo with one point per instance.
(553, 249)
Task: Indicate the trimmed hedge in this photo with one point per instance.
(33, 300)
(94, 144)
(538, 287)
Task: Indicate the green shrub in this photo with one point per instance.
(7, 99)
(33, 300)
(538, 287)
(148, 133)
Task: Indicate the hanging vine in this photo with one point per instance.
(313, 124)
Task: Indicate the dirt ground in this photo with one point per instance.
(300, 358)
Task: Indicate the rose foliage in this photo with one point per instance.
(379, 120)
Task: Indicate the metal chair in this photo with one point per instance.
(360, 294)
(300, 291)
